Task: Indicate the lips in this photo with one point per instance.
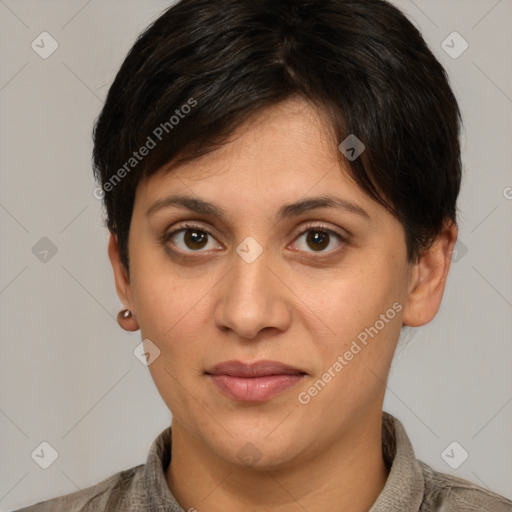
(257, 369)
(256, 382)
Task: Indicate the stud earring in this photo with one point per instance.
(126, 320)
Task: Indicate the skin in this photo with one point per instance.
(289, 305)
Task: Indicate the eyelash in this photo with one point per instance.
(309, 227)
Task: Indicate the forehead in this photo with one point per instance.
(292, 127)
(290, 142)
(262, 178)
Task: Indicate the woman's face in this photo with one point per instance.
(321, 290)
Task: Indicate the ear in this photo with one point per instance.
(121, 276)
(428, 279)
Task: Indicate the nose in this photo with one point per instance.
(253, 298)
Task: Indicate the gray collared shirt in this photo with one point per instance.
(412, 486)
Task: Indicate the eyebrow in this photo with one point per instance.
(286, 211)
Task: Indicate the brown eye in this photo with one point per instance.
(191, 239)
(318, 239)
(195, 239)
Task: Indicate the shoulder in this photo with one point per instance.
(118, 490)
(448, 493)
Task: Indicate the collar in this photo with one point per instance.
(405, 486)
(158, 494)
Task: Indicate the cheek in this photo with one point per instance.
(170, 307)
(366, 320)
(172, 314)
(348, 302)
(163, 296)
(358, 317)
(172, 311)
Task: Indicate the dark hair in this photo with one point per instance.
(206, 66)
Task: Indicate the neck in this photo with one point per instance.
(347, 476)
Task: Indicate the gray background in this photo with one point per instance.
(67, 371)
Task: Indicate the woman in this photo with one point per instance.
(280, 181)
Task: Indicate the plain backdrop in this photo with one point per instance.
(67, 371)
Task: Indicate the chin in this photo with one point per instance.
(256, 450)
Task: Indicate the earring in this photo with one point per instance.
(126, 320)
